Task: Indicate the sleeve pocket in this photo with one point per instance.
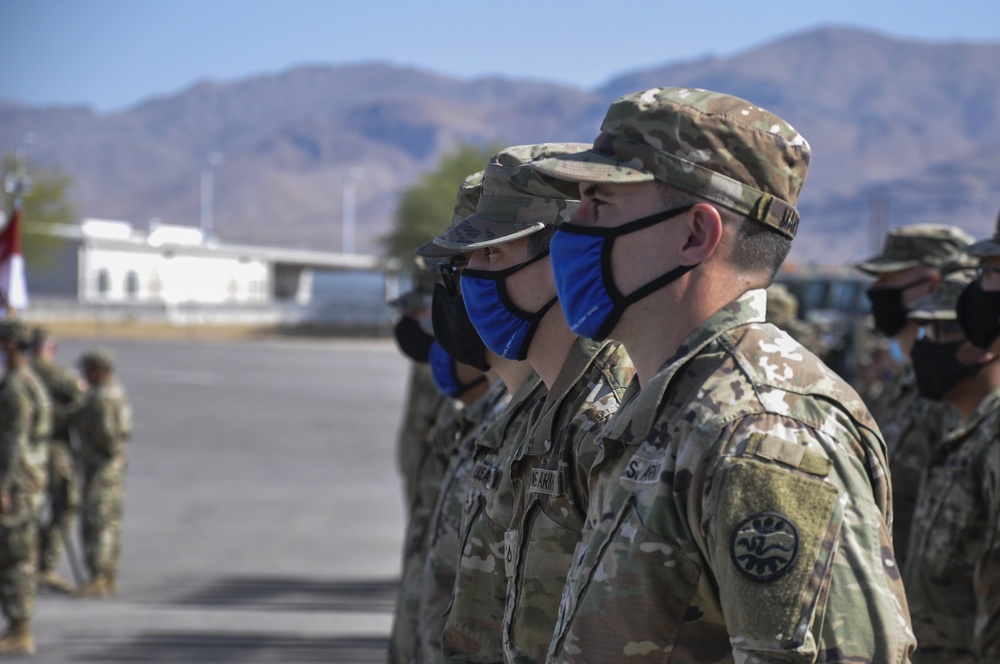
(773, 541)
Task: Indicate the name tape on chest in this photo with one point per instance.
(486, 475)
(545, 481)
(642, 471)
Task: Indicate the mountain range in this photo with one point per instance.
(903, 126)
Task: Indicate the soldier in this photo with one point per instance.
(952, 575)
(469, 404)
(464, 386)
(530, 492)
(25, 427)
(64, 487)
(747, 519)
(909, 269)
(423, 399)
(105, 424)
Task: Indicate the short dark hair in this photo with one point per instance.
(757, 248)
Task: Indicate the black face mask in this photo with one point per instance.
(454, 329)
(412, 340)
(978, 313)
(937, 367)
(888, 308)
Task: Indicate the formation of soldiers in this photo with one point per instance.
(62, 446)
(627, 459)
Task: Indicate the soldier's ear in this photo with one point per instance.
(704, 232)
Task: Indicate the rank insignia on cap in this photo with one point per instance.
(764, 546)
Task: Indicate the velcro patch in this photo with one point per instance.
(773, 536)
(510, 545)
(486, 475)
(788, 453)
(642, 471)
(545, 481)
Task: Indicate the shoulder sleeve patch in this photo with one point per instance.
(772, 543)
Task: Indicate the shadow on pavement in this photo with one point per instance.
(295, 593)
(237, 647)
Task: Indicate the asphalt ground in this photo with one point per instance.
(263, 511)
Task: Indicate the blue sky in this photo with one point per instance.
(110, 54)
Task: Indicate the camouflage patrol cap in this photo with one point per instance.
(465, 205)
(96, 358)
(940, 305)
(930, 245)
(990, 247)
(516, 200)
(710, 144)
(16, 331)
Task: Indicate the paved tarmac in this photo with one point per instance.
(263, 513)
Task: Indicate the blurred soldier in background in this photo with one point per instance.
(468, 397)
(952, 574)
(105, 424)
(25, 428)
(64, 487)
(423, 400)
(783, 312)
(908, 269)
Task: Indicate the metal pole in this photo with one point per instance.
(212, 159)
(347, 230)
(206, 201)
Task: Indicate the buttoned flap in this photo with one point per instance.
(639, 593)
(542, 563)
(480, 586)
(772, 541)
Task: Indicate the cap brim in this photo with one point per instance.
(879, 266)
(475, 232)
(432, 250)
(982, 248)
(591, 166)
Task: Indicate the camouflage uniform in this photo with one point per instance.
(912, 427)
(951, 575)
(746, 518)
(25, 427)
(441, 561)
(105, 424)
(783, 313)
(475, 615)
(423, 401)
(64, 486)
(427, 474)
(552, 474)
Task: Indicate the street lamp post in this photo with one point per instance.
(207, 184)
(350, 204)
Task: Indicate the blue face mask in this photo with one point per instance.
(443, 370)
(581, 261)
(505, 328)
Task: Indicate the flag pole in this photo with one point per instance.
(16, 183)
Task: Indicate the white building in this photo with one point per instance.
(173, 269)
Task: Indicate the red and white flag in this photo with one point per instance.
(13, 286)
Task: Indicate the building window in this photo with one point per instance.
(131, 285)
(103, 282)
